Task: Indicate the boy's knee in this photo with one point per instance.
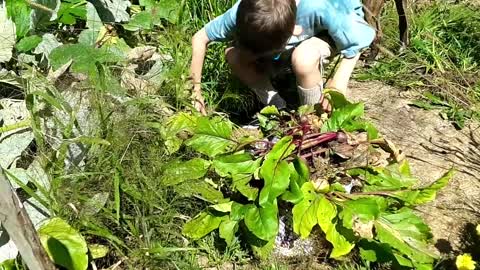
(231, 55)
(303, 61)
(306, 57)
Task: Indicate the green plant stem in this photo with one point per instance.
(19, 125)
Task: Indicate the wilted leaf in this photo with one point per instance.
(7, 35)
(47, 45)
(263, 221)
(13, 143)
(275, 171)
(389, 178)
(95, 204)
(202, 225)
(41, 17)
(98, 251)
(179, 171)
(64, 244)
(212, 136)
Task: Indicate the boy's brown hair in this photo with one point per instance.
(265, 25)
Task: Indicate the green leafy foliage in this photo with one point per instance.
(28, 43)
(212, 137)
(202, 225)
(65, 246)
(275, 171)
(72, 10)
(19, 12)
(377, 219)
(179, 171)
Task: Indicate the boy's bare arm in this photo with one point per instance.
(199, 48)
(342, 75)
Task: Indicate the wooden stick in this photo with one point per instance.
(19, 227)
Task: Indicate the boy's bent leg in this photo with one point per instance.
(305, 62)
(244, 67)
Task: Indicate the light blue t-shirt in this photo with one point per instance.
(343, 19)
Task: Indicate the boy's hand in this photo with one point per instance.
(198, 101)
(325, 104)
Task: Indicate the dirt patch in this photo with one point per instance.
(432, 146)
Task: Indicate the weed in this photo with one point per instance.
(443, 57)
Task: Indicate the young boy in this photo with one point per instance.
(266, 33)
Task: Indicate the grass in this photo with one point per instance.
(141, 219)
(443, 57)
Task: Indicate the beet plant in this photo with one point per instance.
(333, 172)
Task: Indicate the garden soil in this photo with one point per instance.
(432, 146)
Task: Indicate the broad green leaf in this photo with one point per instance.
(223, 207)
(337, 99)
(357, 125)
(305, 212)
(227, 230)
(366, 209)
(202, 225)
(374, 251)
(72, 10)
(64, 245)
(341, 117)
(228, 166)
(264, 251)
(140, 21)
(294, 193)
(263, 221)
(8, 35)
(326, 213)
(275, 171)
(19, 12)
(426, 194)
(8, 265)
(84, 58)
(175, 124)
(270, 110)
(212, 136)
(29, 43)
(407, 233)
(178, 171)
(389, 178)
(241, 182)
(200, 188)
(239, 210)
